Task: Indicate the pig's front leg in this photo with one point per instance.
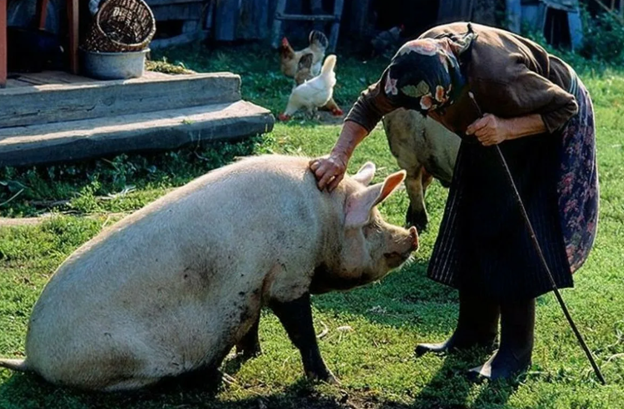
(296, 317)
(249, 346)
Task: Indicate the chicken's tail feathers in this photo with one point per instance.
(318, 38)
(19, 365)
(329, 65)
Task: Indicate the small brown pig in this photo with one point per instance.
(171, 289)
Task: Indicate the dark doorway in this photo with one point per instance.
(557, 28)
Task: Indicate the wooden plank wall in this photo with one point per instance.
(253, 19)
(232, 20)
(242, 19)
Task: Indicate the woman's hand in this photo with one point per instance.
(490, 130)
(329, 170)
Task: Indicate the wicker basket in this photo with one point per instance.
(120, 26)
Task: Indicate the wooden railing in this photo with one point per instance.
(615, 8)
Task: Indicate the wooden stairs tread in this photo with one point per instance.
(145, 131)
(72, 100)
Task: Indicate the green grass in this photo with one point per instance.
(374, 360)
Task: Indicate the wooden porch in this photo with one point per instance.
(54, 117)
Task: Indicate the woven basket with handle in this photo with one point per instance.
(121, 26)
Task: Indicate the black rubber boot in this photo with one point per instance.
(477, 325)
(516, 346)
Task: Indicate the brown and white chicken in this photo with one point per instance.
(290, 58)
(314, 93)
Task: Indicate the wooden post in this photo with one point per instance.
(253, 22)
(316, 7)
(358, 23)
(226, 19)
(576, 29)
(333, 36)
(3, 43)
(42, 13)
(513, 11)
(72, 18)
(277, 23)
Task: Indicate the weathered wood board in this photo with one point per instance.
(21, 106)
(152, 131)
(225, 20)
(179, 11)
(153, 3)
(253, 20)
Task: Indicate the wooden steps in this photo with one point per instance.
(147, 131)
(56, 117)
(48, 103)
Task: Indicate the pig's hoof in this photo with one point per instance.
(332, 379)
(324, 376)
(417, 219)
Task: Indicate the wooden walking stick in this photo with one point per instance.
(540, 254)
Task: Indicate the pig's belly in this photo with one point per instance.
(117, 352)
(194, 335)
(182, 339)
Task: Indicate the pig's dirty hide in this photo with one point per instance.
(171, 289)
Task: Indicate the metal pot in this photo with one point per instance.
(113, 66)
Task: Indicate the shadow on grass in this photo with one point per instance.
(408, 297)
(28, 391)
(454, 372)
(404, 297)
(301, 119)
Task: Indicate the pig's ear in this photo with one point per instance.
(360, 204)
(389, 185)
(365, 174)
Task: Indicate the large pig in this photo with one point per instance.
(172, 288)
(425, 149)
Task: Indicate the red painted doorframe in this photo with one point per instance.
(3, 43)
(72, 17)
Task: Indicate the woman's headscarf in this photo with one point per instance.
(425, 74)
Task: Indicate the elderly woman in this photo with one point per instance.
(493, 87)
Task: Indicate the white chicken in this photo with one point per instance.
(314, 93)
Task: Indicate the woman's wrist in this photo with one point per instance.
(351, 135)
(524, 126)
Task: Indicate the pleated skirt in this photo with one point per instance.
(483, 245)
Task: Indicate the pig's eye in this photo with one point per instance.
(371, 228)
(394, 259)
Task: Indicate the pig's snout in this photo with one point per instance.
(414, 236)
(406, 245)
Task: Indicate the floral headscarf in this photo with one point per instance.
(424, 75)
